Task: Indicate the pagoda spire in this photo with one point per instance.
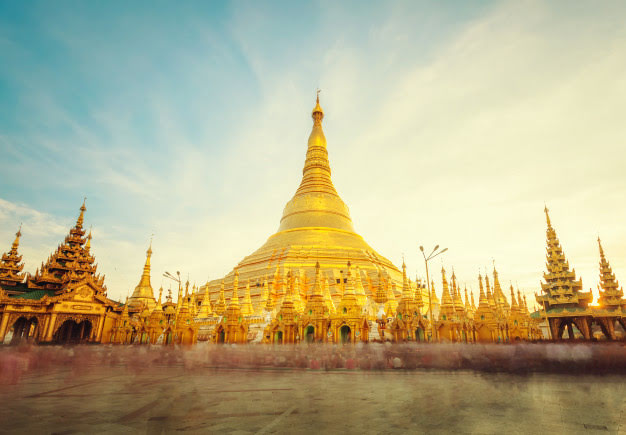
(483, 301)
(143, 293)
(11, 266)
(205, 308)
(560, 287)
(446, 310)
(514, 305)
(316, 202)
(220, 306)
(88, 244)
(246, 307)
(81, 216)
(406, 289)
(327, 297)
(159, 306)
(234, 299)
(610, 293)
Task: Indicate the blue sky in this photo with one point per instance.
(451, 122)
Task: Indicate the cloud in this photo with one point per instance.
(448, 125)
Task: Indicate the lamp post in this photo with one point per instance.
(432, 255)
(174, 278)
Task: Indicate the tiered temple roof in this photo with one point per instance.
(561, 289)
(611, 294)
(11, 265)
(70, 263)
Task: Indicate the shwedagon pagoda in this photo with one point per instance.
(314, 281)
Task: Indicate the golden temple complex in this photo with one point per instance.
(314, 280)
(65, 301)
(317, 280)
(567, 308)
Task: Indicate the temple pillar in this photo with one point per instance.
(570, 331)
(3, 325)
(51, 324)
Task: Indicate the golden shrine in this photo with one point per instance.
(65, 301)
(317, 280)
(567, 307)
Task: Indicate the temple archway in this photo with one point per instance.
(346, 334)
(221, 335)
(484, 335)
(309, 334)
(20, 330)
(187, 337)
(72, 332)
(278, 337)
(419, 334)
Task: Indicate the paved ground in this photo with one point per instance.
(171, 399)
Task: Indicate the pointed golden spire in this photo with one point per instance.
(220, 306)
(159, 306)
(406, 289)
(316, 202)
(205, 307)
(246, 307)
(349, 289)
(88, 244)
(143, 293)
(545, 209)
(514, 306)
(317, 285)
(81, 216)
(234, 300)
(16, 242)
(610, 292)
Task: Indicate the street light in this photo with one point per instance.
(432, 255)
(174, 278)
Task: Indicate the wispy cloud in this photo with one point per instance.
(449, 124)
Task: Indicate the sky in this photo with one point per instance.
(448, 123)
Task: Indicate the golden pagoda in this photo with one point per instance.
(611, 294)
(11, 265)
(143, 295)
(408, 323)
(315, 226)
(69, 264)
(562, 297)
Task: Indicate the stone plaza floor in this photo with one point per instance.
(174, 397)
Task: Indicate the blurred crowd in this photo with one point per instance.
(610, 358)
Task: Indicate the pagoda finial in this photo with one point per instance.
(600, 246)
(149, 251)
(318, 113)
(16, 243)
(545, 209)
(81, 216)
(88, 245)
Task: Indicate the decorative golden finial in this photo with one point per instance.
(88, 245)
(16, 243)
(317, 113)
(545, 209)
(149, 251)
(81, 217)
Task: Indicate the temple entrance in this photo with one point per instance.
(484, 335)
(72, 332)
(24, 329)
(567, 329)
(221, 336)
(278, 337)
(345, 334)
(419, 334)
(187, 337)
(309, 334)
